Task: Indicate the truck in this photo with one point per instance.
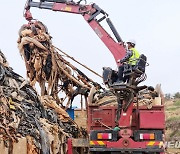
(128, 126)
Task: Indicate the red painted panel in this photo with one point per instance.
(69, 146)
(152, 120)
(126, 117)
(126, 143)
(100, 117)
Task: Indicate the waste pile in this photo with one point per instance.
(40, 121)
(45, 65)
(150, 96)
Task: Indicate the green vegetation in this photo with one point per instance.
(175, 133)
(172, 108)
(177, 103)
(171, 119)
(177, 95)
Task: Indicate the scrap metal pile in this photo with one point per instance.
(44, 126)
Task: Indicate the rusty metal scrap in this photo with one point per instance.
(24, 114)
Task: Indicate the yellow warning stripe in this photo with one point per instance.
(150, 143)
(100, 142)
(92, 143)
(154, 143)
(97, 142)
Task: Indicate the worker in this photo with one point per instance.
(130, 58)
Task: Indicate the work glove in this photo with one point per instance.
(120, 61)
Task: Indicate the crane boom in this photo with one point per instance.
(90, 14)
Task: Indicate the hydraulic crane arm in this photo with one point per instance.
(90, 14)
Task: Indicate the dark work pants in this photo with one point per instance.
(120, 73)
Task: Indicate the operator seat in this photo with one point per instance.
(132, 73)
(109, 76)
(139, 68)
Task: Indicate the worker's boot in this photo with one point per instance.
(118, 82)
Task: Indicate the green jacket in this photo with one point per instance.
(134, 57)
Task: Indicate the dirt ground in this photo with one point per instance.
(172, 110)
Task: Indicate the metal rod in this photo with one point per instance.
(116, 34)
(78, 62)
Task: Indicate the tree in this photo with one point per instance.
(177, 95)
(168, 96)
